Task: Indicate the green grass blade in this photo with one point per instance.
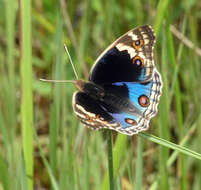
(175, 154)
(22, 175)
(171, 145)
(47, 165)
(178, 104)
(163, 116)
(10, 39)
(4, 176)
(118, 154)
(139, 165)
(26, 89)
(160, 13)
(110, 159)
(55, 108)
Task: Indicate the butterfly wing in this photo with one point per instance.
(128, 59)
(92, 112)
(129, 112)
(145, 97)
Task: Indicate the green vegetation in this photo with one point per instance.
(42, 143)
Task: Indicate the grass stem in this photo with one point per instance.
(110, 159)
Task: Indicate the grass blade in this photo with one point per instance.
(26, 88)
(55, 108)
(118, 152)
(139, 165)
(171, 145)
(110, 159)
(161, 9)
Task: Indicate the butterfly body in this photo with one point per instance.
(124, 85)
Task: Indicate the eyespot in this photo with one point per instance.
(98, 116)
(138, 61)
(143, 101)
(138, 43)
(130, 121)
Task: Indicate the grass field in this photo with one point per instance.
(42, 143)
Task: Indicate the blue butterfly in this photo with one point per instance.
(124, 85)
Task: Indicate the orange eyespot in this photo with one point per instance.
(130, 121)
(137, 44)
(138, 61)
(99, 117)
(143, 101)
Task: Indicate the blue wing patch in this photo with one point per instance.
(150, 93)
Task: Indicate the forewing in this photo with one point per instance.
(128, 59)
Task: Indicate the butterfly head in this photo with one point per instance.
(79, 84)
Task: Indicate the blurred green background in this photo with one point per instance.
(42, 143)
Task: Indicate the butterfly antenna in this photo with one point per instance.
(59, 81)
(76, 75)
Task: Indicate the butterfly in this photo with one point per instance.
(124, 86)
